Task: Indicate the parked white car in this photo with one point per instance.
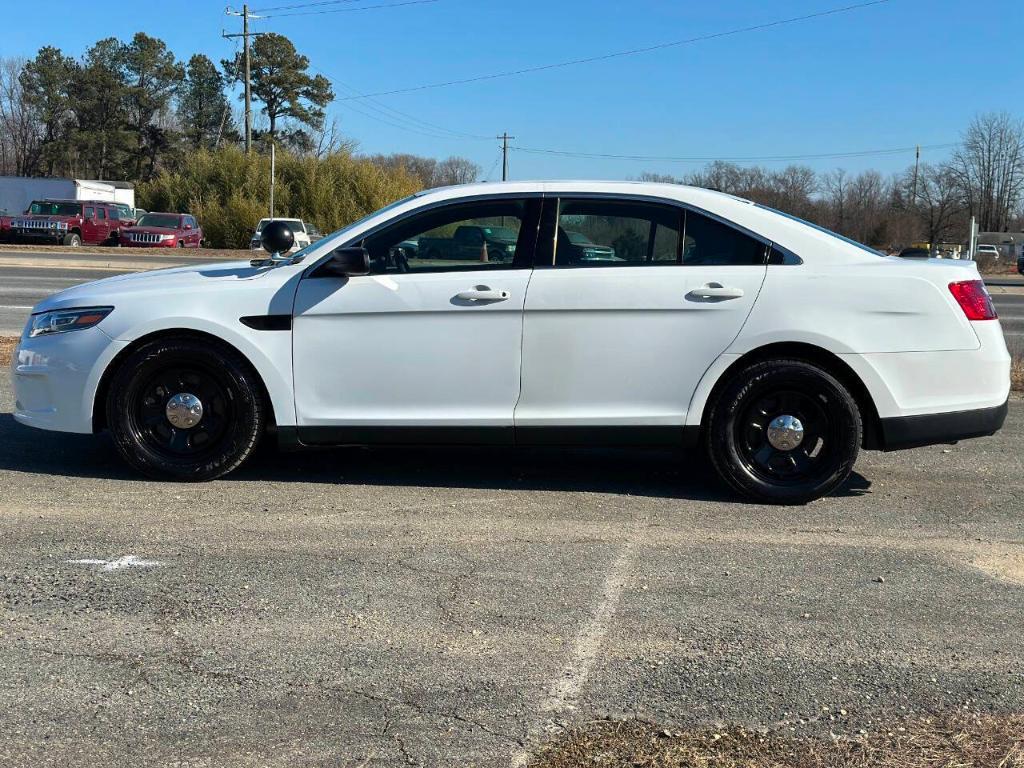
(778, 348)
(299, 231)
(987, 251)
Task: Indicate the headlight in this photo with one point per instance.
(63, 320)
(166, 237)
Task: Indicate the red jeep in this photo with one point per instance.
(163, 230)
(68, 222)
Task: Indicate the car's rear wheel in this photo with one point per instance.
(73, 239)
(784, 432)
(185, 409)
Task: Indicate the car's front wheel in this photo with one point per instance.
(784, 432)
(185, 409)
(73, 240)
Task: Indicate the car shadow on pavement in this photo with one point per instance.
(643, 472)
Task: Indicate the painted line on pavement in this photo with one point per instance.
(564, 691)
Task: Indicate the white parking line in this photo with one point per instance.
(14, 306)
(564, 691)
(125, 561)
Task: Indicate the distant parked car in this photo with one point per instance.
(1020, 262)
(297, 226)
(164, 230)
(586, 250)
(68, 222)
(987, 251)
(127, 214)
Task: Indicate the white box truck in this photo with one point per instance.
(18, 192)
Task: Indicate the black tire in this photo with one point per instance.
(73, 239)
(736, 437)
(232, 420)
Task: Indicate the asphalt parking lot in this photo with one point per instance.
(443, 607)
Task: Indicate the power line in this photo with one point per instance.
(398, 119)
(305, 5)
(748, 159)
(361, 8)
(618, 54)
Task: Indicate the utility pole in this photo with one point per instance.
(504, 154)
(917, 162)
(246, 34)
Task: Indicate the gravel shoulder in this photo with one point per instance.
(438, 607)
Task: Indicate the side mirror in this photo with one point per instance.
(348, 262)
(277, 238)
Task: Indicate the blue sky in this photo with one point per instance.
(896, 74)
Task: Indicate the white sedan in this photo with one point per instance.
(780, 349)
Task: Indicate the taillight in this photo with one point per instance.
(973, 299)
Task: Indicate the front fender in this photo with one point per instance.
(269, 352)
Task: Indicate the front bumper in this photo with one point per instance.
(38, 236)
(126, 243)
(934, 428)
(56, 377)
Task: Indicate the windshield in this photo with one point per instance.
(55, 209)
(503, 233)
(812, 225)
(316, 244)
(294, 224)
(164, 220)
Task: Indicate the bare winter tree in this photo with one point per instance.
(455, 170)
(939, 204)
(990, 168)
(20, 137)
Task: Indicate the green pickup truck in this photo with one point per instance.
(468, 244)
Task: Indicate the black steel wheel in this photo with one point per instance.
(784, 432)
(185, 409)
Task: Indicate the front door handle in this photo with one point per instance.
(483, 294)
(716, 291)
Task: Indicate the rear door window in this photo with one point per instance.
(707, 242)
(616, 233)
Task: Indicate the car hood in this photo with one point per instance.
(154, 283)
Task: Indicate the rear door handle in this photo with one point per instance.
(483, 294)
(716, 291)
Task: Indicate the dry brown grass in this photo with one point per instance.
(1017, 374)
(953, 742)
(7, 345)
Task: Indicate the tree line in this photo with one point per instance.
(130, 110)
(931, 202)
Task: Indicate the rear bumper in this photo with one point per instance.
(931, 429)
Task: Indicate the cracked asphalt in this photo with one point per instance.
(452, 607)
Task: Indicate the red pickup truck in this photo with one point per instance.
(68, 222)
(164, 230)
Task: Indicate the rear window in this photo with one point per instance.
(812, 225)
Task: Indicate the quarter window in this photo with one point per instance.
(610, 233)
(481, 236)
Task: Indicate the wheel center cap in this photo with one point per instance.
(785, 433)
(184, 410)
